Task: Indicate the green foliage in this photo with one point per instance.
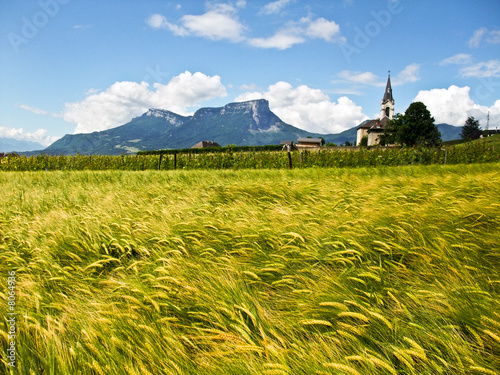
(228, 148)
(364, 141)
(248, 158)
(471, 130)
(415, 128)
(313, 271)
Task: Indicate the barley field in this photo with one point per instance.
(389, 270)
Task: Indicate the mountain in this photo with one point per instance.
(241, 123)
(449, 132)
(142, 133)
(15, 145)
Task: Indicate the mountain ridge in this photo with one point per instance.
(239, 123)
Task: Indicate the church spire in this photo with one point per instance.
(388, 91)
(387, 107)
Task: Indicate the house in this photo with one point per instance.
(309, 142)
(206, 144)
(373, 129)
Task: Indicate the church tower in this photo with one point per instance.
(387, 108)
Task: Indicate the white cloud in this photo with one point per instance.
(454, 104)
(483, 69)
(282, 39)
(241, 3)
(476, 38)
(492, 37)
(409, 74)
(123, 101)
(296, 32)
(321, 28)
(219, 22)
(309, 109)
(458, 59)
(365, 78)
(275, 7)
(38, 111)
(156, 21)
(18, 133)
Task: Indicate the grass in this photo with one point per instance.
(315, 271)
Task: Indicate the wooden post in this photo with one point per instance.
(159, 162)
(46, 163)
(175, 161)
(289, 160)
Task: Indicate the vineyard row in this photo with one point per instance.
(462, 154)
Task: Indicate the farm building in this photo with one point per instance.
(206, 144)
(373, 129)
(309, 142)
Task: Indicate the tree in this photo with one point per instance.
(364, 141)
(471, 129)
(415, 128)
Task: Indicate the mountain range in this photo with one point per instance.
(11, 144)
(241, 123)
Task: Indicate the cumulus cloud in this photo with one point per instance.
(321, 28)
(39, 136)
(309, 109)
(123, 101)
(297, 32)
(454, 105)
(221, 22)
(218, 23)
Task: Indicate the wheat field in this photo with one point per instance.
(390, 270)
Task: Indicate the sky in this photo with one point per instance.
(78, 66)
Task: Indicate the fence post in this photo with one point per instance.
(159, 162)
(289, 160)
(175, 161)
(46, 163)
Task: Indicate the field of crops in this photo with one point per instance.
(475, 152)
(391, 270)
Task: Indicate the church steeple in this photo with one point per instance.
(387, 108)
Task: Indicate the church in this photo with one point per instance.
(373, 129)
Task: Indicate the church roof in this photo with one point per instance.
(388, 91)
(375, 125)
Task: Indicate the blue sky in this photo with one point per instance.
(71, 66)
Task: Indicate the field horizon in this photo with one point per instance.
(387, 270)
